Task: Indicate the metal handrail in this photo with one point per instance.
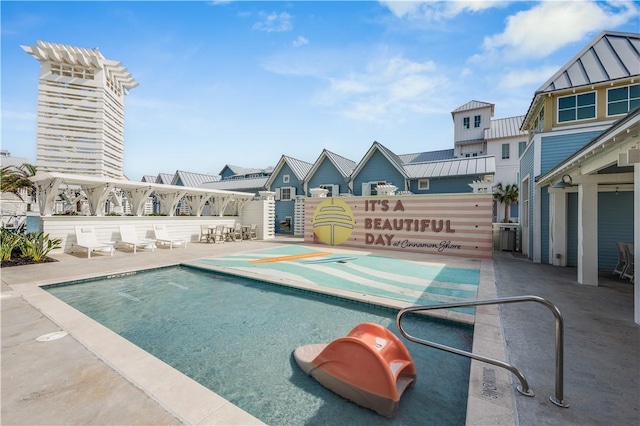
(524, 386)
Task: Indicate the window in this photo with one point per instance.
(286, 178)
(285, 194)
(541, 120)
(476, 121)
(521, 147)
(621, 100)
(370, 188)
(505, 151)
(328, 188)
(577, 107)
(423, 184)
(465, 122)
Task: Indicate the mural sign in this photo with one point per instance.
(451, 224)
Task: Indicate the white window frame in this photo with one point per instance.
(508, 151)
(367, 187)
(334, 190)
(286, 178)
(292, 193)
(423, 184)
(576, 107)
(628, 99)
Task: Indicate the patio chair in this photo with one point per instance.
(205, 233)
(622, 259)
(237, 232)
(163, 237)
(253, 232)
(86, 239)
(629, 271)
(218, 234)
(130, 238)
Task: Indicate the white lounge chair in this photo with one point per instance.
(162, 237)
(253, 232)
(630, 270)
(86, 239)
(217, 234)
(129, 237)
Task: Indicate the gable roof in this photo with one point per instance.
(342, 164)
(609, 56)
(238, 171)
(505, 128)
(164, 178)
(420, 157)
(395, 161)
(258, 183)
(469, 106)
(299, 168)
(192, 179)
(454, 167)
(149, 179)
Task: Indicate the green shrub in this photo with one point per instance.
(37, 245)
(8, 242)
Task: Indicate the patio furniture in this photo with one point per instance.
(237, 232)
(629, 271)
(217, 233)
(205, 233)
(623, 261)
(163, 237)
(129, 237)
(253, 232)
(86, 239)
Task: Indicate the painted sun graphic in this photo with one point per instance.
(333, 222)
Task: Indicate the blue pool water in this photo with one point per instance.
(236, 337)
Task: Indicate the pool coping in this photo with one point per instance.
(490, 396)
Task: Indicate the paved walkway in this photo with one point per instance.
(65, 382)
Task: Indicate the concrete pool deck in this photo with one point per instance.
(93, 376)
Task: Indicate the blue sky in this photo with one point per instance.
(244, 82)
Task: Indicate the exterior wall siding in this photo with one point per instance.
(555, 149)
(526, 169)
(286, 208)
(572, 229)
(544, 225)
(378, 168)
(615, 223)
(453, 185)
(327, 174)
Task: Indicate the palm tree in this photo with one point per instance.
(506, 195)
(15, 179)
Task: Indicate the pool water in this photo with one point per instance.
(236, 337)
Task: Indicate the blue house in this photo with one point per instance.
(287, 181)
(331, 172)
(435, 172)
(574, 210)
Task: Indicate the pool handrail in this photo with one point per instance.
(524, 386)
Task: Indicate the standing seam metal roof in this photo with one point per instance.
(505, 128)
(344, 165)
(191, 179)
(455, 167)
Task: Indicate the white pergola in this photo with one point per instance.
(98, 190)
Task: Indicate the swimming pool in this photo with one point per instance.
(236, 336)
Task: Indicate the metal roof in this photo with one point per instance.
(258, 184)
(91, 58)
(243, 171)
(7, 160)
(344, 165)
(609, 56)
(300, 168)
(191, 179)
(455, 167)
(505, 128)
(148, 178)
(420, 157)
(164, 178)
(473, 105)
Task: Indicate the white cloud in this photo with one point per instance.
(523, 77)
(550, 25)
(300, 41)
(274, 22)
(438, 10)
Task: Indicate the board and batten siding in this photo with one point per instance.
(572, 229)
(615, 223)
(327, 174)
(555, 149)
(447, 224)
(378, 169)
(446, 185)
(544, 225)
(527, 169)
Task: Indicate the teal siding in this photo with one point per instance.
(555, 149)
(378, 168)
(226, 173)
(544, 225)
(572, 229)
(448, 185)
(285, 208)
(615, 223)
(327, 174)
(526, 168)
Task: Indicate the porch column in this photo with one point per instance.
(588, 233)
(636, 239)
(558, 228)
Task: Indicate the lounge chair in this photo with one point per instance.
(130, 238)
(630, 270)
(205, 233)
(217, 234)
(253, 232)
(162, 237)
(237, 232)
(86, 239)
(623, 261)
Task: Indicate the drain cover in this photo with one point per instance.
(51, 336)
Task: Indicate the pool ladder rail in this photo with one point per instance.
(524, 386)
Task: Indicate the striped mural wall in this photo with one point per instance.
(448, 224)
